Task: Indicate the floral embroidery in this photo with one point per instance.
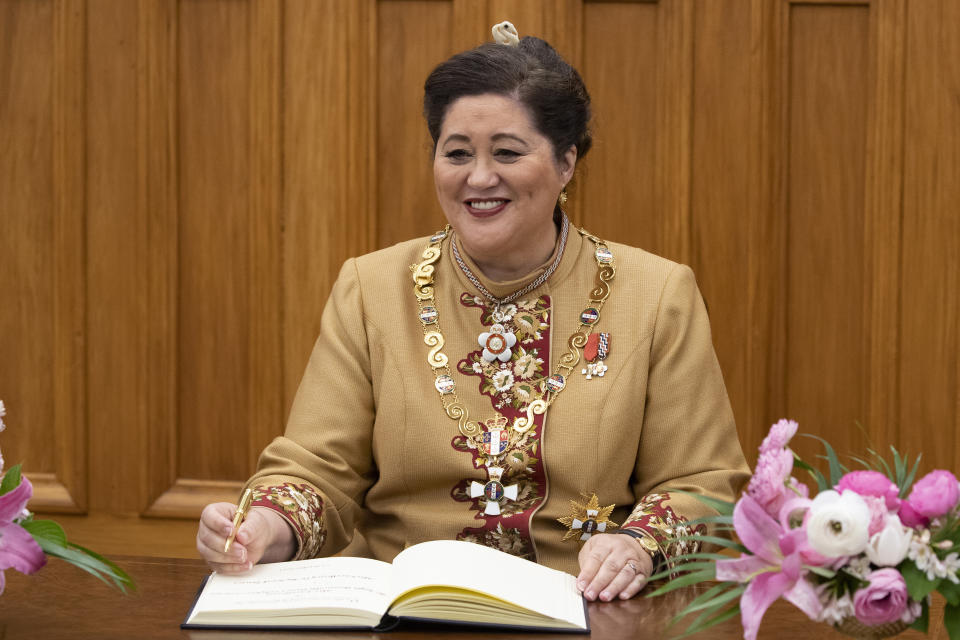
(654, 518)
(302, 507)
(510, 385)
(509, 540)
(514, 382)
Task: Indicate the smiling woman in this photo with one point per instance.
(497, 180)
(512, 317)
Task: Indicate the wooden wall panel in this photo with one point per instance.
(930, 310)
(329, 161)
(617, 192)
(828, 95)
(213, 318)
(116, 277)
(41, 132)
(407, 204)
(721, 184)
(26, 246)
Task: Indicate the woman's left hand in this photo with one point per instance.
(613, 566)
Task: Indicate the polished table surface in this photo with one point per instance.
(63, 602)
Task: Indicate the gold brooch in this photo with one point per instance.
(588, 518)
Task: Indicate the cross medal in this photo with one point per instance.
(494, 442)
(494, 491)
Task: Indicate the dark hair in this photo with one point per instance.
(532, 72)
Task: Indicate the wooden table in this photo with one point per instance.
(63, 602)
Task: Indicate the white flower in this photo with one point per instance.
(858, 566)
(950, 565)
(502, 380)
(920, 551)
(835, 609)
(888, 547)
(477, 368)
(838, 524)
(3, 412)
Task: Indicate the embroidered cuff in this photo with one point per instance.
(658, 523)
(302, 507)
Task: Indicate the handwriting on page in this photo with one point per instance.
(358, 584)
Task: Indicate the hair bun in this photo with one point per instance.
(505, 33)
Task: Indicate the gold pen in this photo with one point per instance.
(238, 518)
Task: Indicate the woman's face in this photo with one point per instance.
(498, 179)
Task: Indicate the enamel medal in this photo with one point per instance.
(493, 491)
(587, 518)
(595, 352)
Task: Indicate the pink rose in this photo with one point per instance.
(934, 494)
(779, 436)
(883, 600)
(871, 483)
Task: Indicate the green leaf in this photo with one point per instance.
(703, 622)
(917, 584)
(686, 580)
(117, 572)
(722, 542)
(820, 571)
(722, 507)
(905, 487)
(950, 591)
(46, 531)
(703, 597)
(899, 466)
(836, 469)
(863, 463)
(882, 465)
(684, 568)
(722, 520)
(951, 620)
(11, 479)
(699, 555)
(716, 601)
(821, 481)
(921, 623)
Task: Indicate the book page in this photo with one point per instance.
(474, 567)
(321, 583)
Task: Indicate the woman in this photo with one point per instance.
(576, 379)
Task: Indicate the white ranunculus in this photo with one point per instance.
(889, 546)
(838, 524)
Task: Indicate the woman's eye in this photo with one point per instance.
(457, 155)
(506, 153)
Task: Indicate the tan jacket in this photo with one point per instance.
(370, 464)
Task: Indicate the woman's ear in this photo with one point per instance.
(567, 163)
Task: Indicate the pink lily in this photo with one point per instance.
(18, 549)
(775, 569)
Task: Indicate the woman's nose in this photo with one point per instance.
(483, 175)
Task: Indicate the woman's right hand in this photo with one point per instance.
(264, 536)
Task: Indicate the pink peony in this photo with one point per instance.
(910, 518)
(767, 486)
(883, 600)
(871, 483)
(934, 494)
(779, 436)
(18, 549)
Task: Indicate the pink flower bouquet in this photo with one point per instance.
(866, 551)
(25, 541)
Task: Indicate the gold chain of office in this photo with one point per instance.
(423, 278)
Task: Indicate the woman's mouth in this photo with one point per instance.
(483, 208)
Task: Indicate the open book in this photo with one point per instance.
(439, 581)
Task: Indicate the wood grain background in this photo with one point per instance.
(180, 181)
